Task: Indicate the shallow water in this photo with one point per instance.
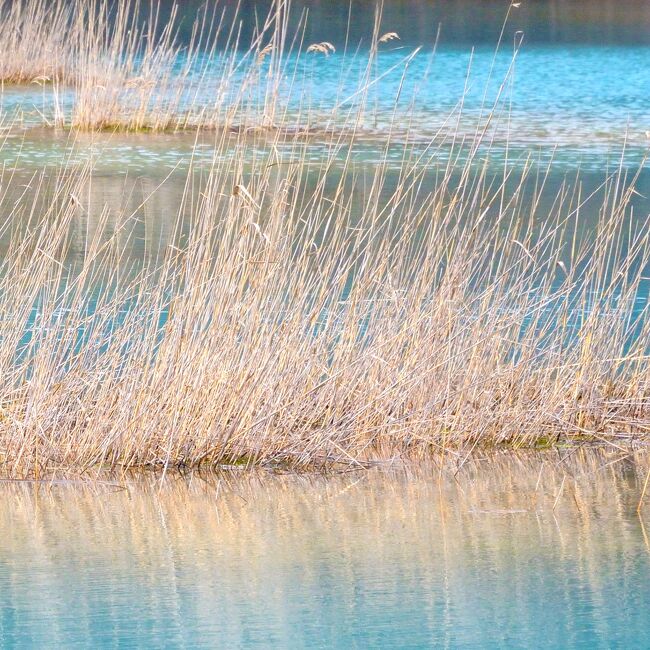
(582, 104)
(512, 551)
(576, 91)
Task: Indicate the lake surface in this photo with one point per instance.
(511, 551)
(580, 105)
(542, 550)
(576, 91)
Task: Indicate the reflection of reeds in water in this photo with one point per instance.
(286, 327)
(488, 545)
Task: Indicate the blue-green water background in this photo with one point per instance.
(577, 90)
(500, 559)
(542, 551)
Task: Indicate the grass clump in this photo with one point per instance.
(116, 65)
(34, 45)
(311, 313)
(294, 327)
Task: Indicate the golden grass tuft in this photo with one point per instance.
(325, 48)
(33, 40)
(112, 65)
(389, 36)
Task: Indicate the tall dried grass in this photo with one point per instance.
(34, 45)
(292, 329)
(127, 69)
(130, 72)
(117, 66)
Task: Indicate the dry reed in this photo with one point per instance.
(127, 70)
(116, 66)
(33, 41)
(291, 328)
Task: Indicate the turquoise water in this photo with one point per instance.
(581, 105)
(513, 552)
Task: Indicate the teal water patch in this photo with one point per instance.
(517, 551)
(579, 104)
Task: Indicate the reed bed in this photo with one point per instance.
(116, 65)
(33, 41)
(289, 328)
(125, 68)
(311, 313)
